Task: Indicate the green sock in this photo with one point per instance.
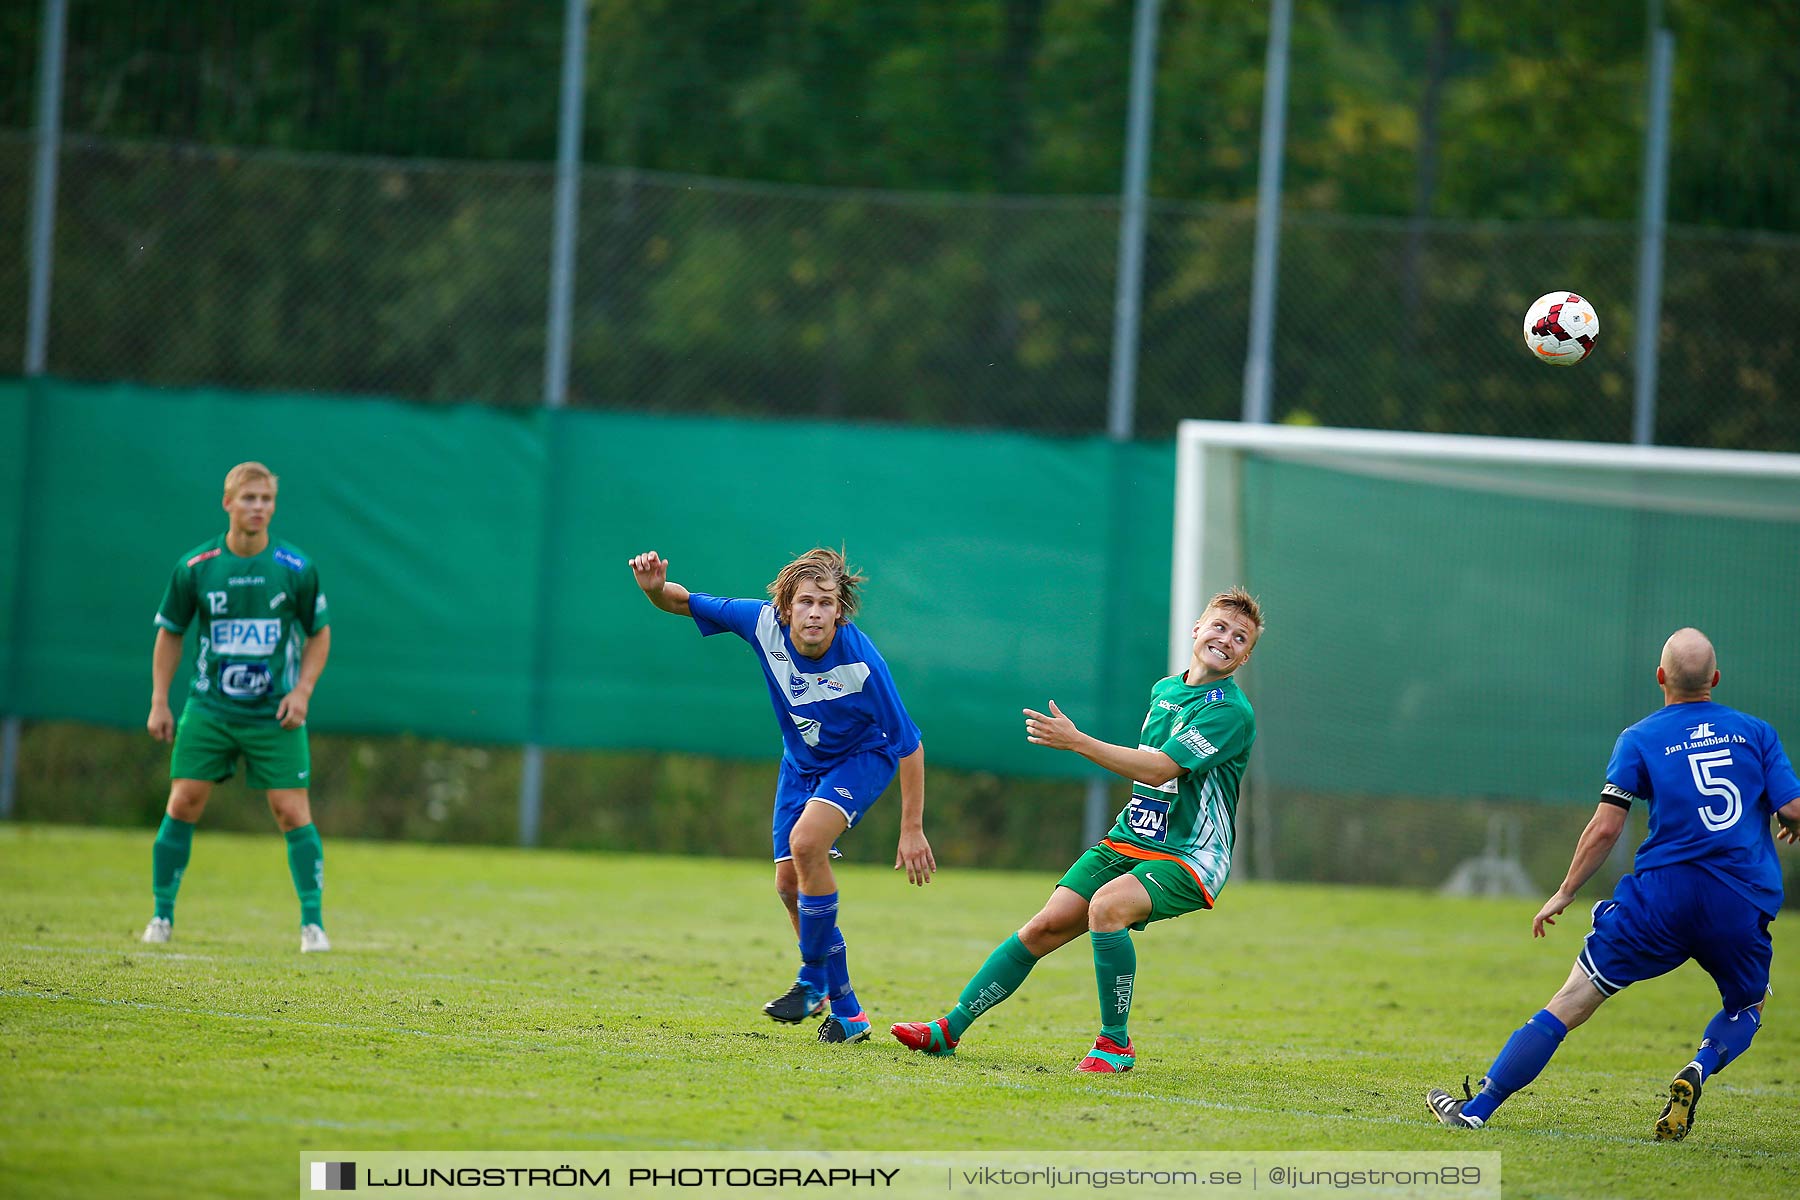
(999, 977)
(1115, 967)
(306, 863)
(168, 862)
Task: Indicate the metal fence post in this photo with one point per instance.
(1121, 405)
(1652, 207)
(37, 320)
(1257, 379)
(556, 379)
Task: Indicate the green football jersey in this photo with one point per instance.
(1193, 818)
(255, 613)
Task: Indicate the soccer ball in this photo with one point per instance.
(1560, 328)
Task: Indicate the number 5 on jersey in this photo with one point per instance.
(1702, 765)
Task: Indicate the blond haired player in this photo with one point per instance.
(1168, 854)
(261, 632)
(844, 733)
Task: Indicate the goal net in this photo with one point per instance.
(1459, 627)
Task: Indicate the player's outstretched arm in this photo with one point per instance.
(1055, 730)
(1597, 841)
(914, 855)
(652, 573)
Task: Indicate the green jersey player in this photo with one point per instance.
(262, 635)
(1168, 854)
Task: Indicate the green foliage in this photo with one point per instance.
(426, 280)
(501, 1000)
(1540, 117)
(424, 790)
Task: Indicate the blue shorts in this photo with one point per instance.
(851, 786)
(1657, 920)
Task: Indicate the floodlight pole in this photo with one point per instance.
(37, 318)
(556, 382)
(1257, 374)
(1258, 368)
(1129, 288)
(1121, 407)
(43, 190)
(1652, 207)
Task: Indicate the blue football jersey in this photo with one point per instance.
(1713, 776)
(841, 703)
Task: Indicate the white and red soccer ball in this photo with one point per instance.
(1560, 328)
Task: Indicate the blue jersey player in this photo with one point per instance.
(844, 733)
(1705, 884)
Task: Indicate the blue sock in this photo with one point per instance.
(818, 922)
(1726, 1038)
(1525, 1054)
(837, 974)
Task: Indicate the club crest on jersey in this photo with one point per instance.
(258, 636)
(797, 686)
(1215, 695)
(288, 558)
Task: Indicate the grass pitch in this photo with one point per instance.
(492, 999)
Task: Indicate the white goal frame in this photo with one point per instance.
(1207, 552)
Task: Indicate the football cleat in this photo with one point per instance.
(1684, 1097)
(1108, 1057)
(843, 1031)
(796, 1004)
(928, 1037)
(312, 937)
(159, 930)
(1449, 1110)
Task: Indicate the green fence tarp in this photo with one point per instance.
(468, 552)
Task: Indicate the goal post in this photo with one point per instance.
(1461, 625)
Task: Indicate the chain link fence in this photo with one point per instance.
(186, 265)
(357, 200)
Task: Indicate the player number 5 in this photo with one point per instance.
(1702, 765)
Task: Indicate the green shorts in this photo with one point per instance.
(1173, 890)
(207, 747)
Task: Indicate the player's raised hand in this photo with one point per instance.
(651, 570)
(916, 858)
(1051, 729)
(1547, 915)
